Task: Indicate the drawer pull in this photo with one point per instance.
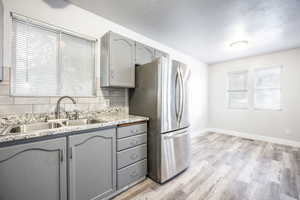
(133, 174)
(133, 142)
(134, 131)
(133, 156)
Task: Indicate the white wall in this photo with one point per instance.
(60, 13)
(282, 124)
(198, 99)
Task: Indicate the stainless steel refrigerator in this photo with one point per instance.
(161, 93)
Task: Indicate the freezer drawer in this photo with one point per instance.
(127, 157)
(176, 153)
(130, 142)
(132, 173)
(128, 131)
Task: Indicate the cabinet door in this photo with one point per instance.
(122, 65)
(160, 54)
(143, 54)
(92, 165)
(34, 171)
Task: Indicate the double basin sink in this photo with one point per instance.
(20, 129)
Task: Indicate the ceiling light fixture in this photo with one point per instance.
(239, 44)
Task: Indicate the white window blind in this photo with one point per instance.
(77, 63)
(49, 62)
(238, 90)
(268, 88)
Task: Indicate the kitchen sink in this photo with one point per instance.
(79, 122)
(19, 129)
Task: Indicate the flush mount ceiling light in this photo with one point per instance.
(239, 44)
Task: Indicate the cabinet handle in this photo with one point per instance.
(133, 174)
(133, 142)
(61, 155)
(134, 131)
(133, 156)
(71, 152)
(112, 74)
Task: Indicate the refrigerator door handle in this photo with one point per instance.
(176, 135)
(176, 96)
(181, 96)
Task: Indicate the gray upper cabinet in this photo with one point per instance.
(34, 171)
(92, 165)
(119, 55)
(117, 61)
(143, 54)
(159, 53)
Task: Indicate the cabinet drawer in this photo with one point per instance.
(131, 174)
(131, 130)
(130, 142)
(131, 156)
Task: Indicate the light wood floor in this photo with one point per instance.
(229, 168)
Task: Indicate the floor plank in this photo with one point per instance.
(229, 168)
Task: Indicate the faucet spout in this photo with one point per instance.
(57, 112)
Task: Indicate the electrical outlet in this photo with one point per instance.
(287, 131)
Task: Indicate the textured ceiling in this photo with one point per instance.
(204, 29)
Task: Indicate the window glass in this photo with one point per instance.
(267, 99)
(238, 81)
(238, 90)
(238, 100)
(268, 78)
(268, 88)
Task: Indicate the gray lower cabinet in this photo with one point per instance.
(131, 155)
(117, 61)
(34, 171)
(38, 170)
(92, 165)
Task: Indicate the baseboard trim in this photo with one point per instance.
(254, 137)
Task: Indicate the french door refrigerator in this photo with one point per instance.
(161, 93)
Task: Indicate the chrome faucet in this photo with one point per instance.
(57, 112)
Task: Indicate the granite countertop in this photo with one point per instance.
(109, 120)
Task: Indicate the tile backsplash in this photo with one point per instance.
(105, 98)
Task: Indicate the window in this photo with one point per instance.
(238, 90)
(48, 61)
(268, 88)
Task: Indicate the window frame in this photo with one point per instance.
(58, 30)
(231, 91)
(268, 89)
